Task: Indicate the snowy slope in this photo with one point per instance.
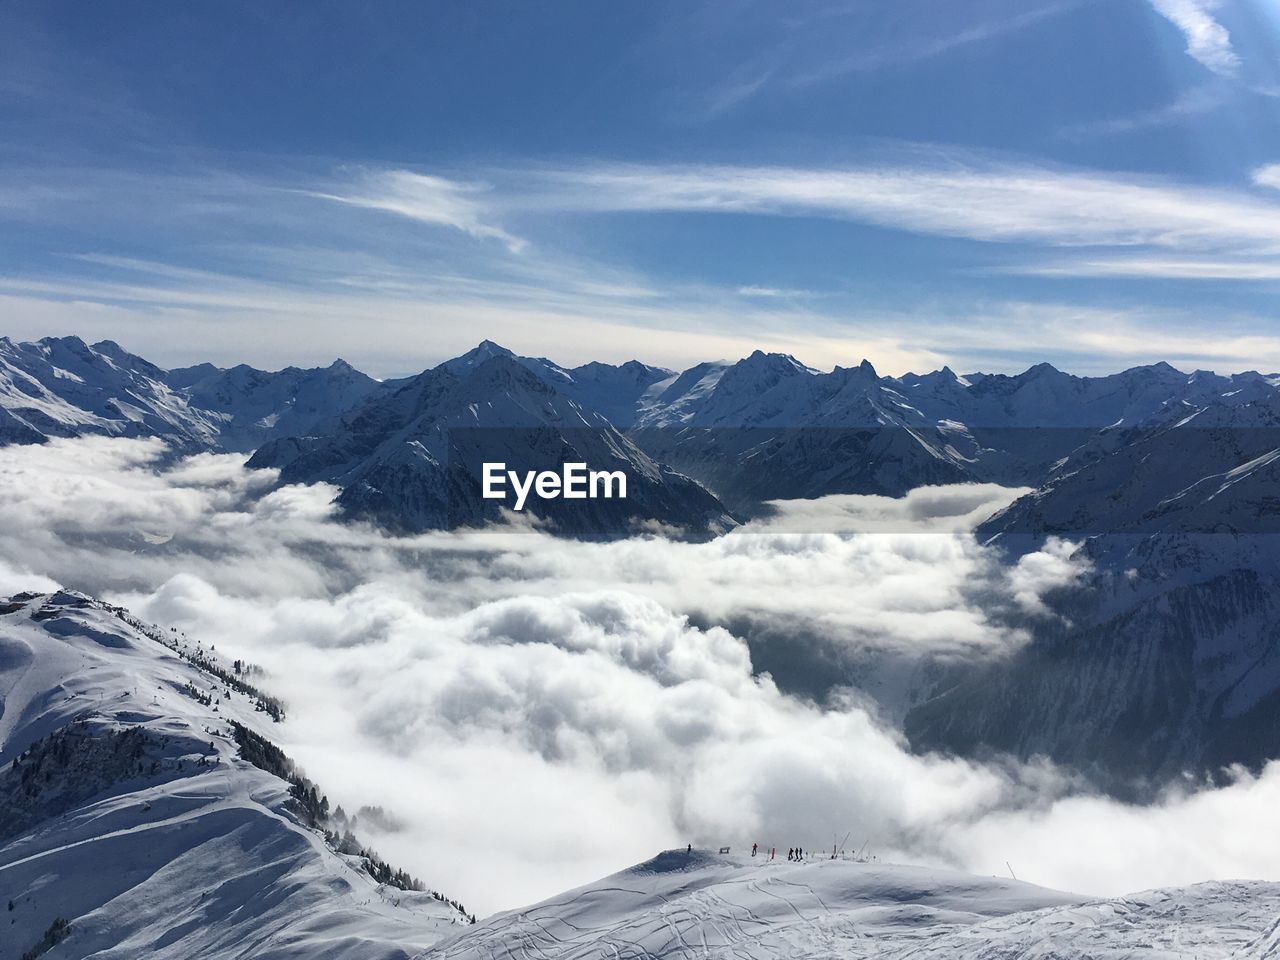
(62, 387)
(1210, 469)
(130, 814)
(682, 905)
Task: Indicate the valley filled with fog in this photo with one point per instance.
(532, 712)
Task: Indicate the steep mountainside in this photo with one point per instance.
(62, 387)
(1210, 469)
(144, 812)
(1185, 680)
(770, 428)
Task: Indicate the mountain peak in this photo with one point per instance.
(1042, 369)
(759, 360)
(70, 342)
(484, 350)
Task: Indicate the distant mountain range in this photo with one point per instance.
(1151, 449)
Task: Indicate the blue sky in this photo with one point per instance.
(985, 184)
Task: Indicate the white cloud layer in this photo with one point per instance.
(536, 713)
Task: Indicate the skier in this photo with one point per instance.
(689, 849)
(791, 853)
(754, 847)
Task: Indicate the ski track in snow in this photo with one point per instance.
(725, 906)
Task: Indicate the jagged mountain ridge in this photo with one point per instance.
(411, 459)
(1098, 449)
(765, 427)
(62, 386)
(768, 427)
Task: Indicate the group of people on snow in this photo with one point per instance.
(795, 853)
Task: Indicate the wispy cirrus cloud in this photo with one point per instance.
(799, 56)
(923, 48)
(426, 198)
(1185, 106)
(394, 292)
(1208, 41)
(977, 201)
(780, 293)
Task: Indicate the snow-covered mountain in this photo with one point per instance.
(1143, 449)
(767, 427)
(411, 458)
(145, 812)
(614, 391)
(62, 387)
(1211, 468)
(250, 406)
(699, 905)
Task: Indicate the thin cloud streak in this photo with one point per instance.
(927, 48)
(1155, 267)
(1009, 204)
(427, 199)
(1208, 41)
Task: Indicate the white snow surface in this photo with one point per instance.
(198, 860)
(710, 905)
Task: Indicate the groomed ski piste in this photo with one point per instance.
(131, 826)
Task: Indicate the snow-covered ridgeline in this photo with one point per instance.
(128, 811)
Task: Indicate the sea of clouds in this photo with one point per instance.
(532, 713)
